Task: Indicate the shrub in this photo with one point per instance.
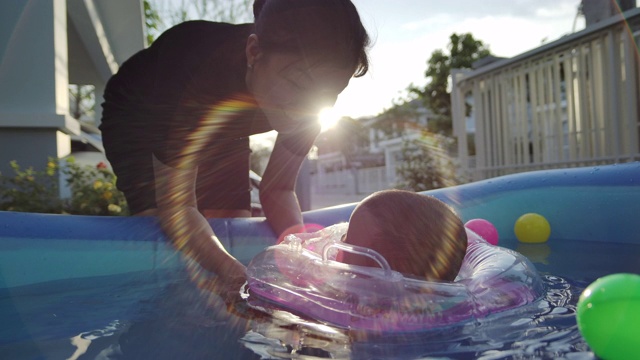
(30, 191)
(426, 164)
(93, 190)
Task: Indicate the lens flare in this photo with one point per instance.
(328, 118)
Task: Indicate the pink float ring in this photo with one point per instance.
(301, 275)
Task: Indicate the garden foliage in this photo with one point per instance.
(93, 190)
(426, 164)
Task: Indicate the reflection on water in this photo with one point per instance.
(83, 340)
(537, 253)
(170, 318)
(284, 336)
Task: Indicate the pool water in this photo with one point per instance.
(160, 314)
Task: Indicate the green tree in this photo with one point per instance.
(463, 51)
(403, 114)
(163, 14)
(152, 21)
(82, 99)
(352, 138)
(348, 137)
(426, 164)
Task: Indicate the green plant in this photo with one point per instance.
(30, 190)
(462, 51)
(426, 164)
(93, 190)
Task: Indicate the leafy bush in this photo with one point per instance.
(30, 190)
(426, 164)
(93, 190)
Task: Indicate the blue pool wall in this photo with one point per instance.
(587, 204)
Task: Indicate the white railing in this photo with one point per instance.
(372, 179)
(573, 102)
(351, 181)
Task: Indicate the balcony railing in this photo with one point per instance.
(572, 102)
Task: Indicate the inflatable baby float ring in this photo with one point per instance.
(301, 275)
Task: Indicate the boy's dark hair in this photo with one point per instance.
(330, 29)
(418, 234)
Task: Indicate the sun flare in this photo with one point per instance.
(328, 118)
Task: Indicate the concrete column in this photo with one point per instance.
(34, 82)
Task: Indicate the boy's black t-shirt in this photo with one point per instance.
(185, 101)
(173, 90)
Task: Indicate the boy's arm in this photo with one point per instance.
(277, 190)
(187, 229)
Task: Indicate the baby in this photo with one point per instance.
(418, 235)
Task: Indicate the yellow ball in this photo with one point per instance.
(532, 228)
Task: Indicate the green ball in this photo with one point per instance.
(608, 316)
(532, 228)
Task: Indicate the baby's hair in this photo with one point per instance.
(329, 28)
(418, 234)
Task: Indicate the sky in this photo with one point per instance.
(406, 32)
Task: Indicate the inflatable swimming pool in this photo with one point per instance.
(87, 277)
(591, 204)
(301, 275)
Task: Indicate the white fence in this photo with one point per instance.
(352, 181)
(573, 102)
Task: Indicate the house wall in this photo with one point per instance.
(45, 44)
(34, 99)
(333, 176)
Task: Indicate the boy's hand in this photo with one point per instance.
(229, 289)
(226, 284)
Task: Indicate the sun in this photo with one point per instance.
(328, 118)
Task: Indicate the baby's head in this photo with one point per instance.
(419, 235)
